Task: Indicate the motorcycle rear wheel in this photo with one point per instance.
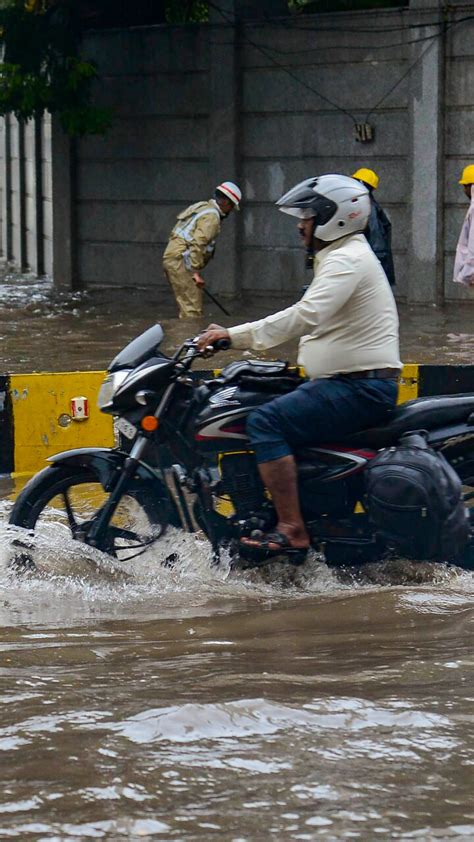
(464, 467)
(63, 501)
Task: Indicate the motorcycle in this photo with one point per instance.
(184, 460)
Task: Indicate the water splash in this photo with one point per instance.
(70, 580)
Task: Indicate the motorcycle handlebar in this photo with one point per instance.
(192, 349)
(221, 345)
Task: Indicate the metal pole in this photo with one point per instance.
(216, 302)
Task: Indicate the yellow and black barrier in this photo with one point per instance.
(43, 414)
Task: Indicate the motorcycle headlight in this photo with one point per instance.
(110, 386)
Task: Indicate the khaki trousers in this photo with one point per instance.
(188, 296)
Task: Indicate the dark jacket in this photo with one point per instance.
(379, 237)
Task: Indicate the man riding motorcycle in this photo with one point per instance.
(348, 327)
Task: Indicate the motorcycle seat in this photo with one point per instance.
(254, 368)
(420, 414)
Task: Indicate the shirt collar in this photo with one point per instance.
(320, 255)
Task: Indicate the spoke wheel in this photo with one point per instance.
(62, 503)
(464, 467)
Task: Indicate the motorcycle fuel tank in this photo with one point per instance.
(220, 424)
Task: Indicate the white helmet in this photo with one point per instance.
(340, 205)
(229, 189)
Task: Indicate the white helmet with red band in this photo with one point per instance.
(229, 189)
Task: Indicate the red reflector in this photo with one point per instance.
(149, 423)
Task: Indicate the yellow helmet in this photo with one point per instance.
(467, 175)
(367, 176)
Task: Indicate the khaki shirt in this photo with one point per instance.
(347, 319)
(194, 235)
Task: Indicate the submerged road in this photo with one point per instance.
(41, 330)
(195, 703)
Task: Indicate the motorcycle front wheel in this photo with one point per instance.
(62, 502)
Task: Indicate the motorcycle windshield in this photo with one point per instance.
(139, 350)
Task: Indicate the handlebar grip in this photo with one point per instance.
(221, 345)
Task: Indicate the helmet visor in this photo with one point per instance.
(304, 202)
(301, 213)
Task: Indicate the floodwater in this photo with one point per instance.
(196, 703)
(41, 330)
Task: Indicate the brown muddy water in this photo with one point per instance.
(41, 330)
(197, 703)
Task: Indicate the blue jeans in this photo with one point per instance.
(319, 411)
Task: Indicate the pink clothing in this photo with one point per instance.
(464, 261)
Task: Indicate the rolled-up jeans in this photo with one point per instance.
(319, 411)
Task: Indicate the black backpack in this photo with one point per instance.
(414, 500)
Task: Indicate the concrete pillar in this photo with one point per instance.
(2, 184)
(7, 191)
(224, 136)
(39, 214)
(64, 233)
(24, 263)
(425, 260)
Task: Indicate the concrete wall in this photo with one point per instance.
(264, 103)
(155, 160)
(161, 153)
(289, 132)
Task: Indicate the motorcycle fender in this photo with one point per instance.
(107, 464)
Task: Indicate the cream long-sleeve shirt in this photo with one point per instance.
(347, 319)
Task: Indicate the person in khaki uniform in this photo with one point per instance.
(192, 243)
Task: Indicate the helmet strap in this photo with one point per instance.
(309, 256)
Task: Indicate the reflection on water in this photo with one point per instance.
(193, 702)
(43, 330)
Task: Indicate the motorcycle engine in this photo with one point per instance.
(241, 481)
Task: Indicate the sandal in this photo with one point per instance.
(264, 552)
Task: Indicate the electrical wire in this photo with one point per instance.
(278, 23)
(266, 51)
(445, 29)
(286, 24)
(378, 31)
(348, 47)
(353, 29)
(287, 71)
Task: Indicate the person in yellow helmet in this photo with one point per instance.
(379, 227)
(192, 243)
(464, 260)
